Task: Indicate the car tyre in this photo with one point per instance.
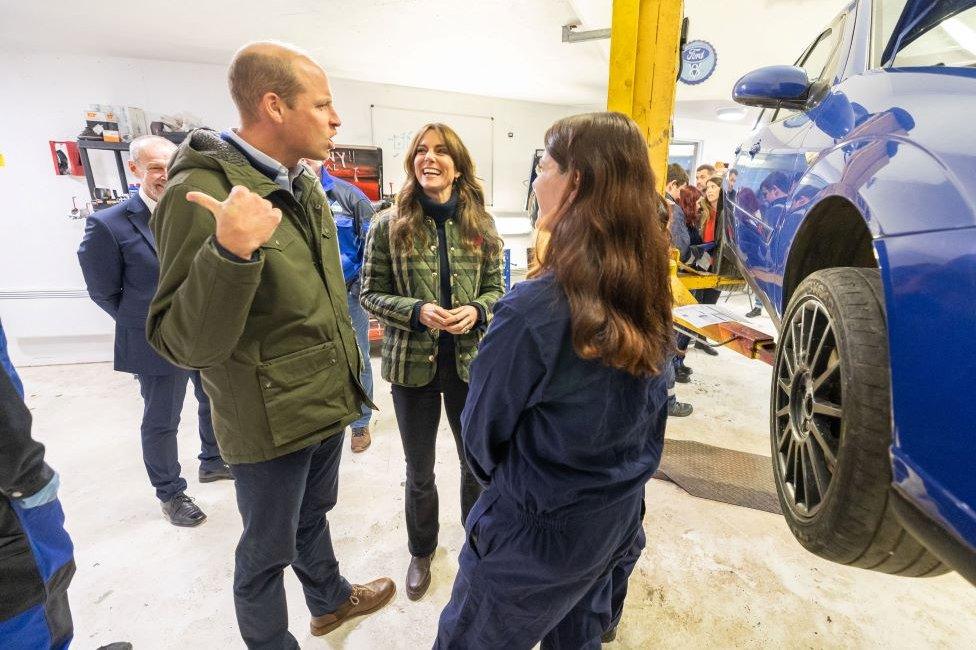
(831, 428)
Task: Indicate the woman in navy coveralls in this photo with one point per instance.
(564, 421)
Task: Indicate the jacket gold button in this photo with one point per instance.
(435, 272)
(430, 358)
(433, 248)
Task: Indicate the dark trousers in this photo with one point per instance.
(283, 503)
(163, 401)
(418, 414)
(524, 578)
(623, 570)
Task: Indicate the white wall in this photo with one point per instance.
(719, 139)
(45, 97)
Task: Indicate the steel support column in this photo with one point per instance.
(644, 60)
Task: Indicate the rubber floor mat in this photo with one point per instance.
(720, 474)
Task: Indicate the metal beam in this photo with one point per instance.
(644, 43)
(570, 35)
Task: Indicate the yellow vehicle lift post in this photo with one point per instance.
(645, 38)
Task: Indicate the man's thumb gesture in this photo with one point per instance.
(207, 201)
(245, 221)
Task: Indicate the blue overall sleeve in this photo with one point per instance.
(506, 378)
(363, 214)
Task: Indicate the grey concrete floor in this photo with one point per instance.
(712, 576)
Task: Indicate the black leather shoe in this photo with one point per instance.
(418, 576)
(678, 409)
(181, 511)
(707, 349)
(682, 375)
(609, 635)
(221, 473)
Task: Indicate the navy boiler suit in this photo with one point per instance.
(564, 447)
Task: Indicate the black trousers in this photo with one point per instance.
(163, 401)
(283, 503)
(418, 414)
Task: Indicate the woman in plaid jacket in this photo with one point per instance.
(431, 275)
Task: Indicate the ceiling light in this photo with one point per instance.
(730, 113)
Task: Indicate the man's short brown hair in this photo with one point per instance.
(261, 68)
(677, 174)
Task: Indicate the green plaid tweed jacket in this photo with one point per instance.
(394, 284)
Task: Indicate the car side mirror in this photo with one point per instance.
(775, 86)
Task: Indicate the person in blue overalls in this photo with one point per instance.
(36, 554)
(353, 212)
(564, 421)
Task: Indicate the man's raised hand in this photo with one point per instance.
(245, 221)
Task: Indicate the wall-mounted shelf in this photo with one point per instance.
(117, 148)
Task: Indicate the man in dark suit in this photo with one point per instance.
(118, 260)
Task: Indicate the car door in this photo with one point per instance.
(769, 162)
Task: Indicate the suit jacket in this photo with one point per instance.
(118, 260)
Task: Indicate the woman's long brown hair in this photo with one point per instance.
(476, 225)
(607, 249)
(689, 204)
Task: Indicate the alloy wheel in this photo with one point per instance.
(808, 408)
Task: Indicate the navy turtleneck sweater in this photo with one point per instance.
(440, 213)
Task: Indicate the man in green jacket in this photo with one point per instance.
(251, 293)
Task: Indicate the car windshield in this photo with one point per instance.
(934, 40)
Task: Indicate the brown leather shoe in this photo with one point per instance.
(418, 576)
(365, 599)
(359, 440)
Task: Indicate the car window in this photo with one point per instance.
(950, 43)
(886, 14)
(815, 60)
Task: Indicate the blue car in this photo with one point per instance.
(853, 217)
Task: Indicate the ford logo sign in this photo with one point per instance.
(698, 62)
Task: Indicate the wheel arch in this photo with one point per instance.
(833, 234)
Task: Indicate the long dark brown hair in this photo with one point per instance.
(607, 249)
(476, 226)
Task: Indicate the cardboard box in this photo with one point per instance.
(101, 125)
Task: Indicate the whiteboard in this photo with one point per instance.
(393, 128)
